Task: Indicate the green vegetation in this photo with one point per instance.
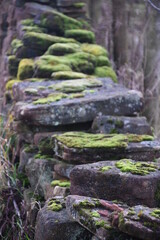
(54, 97)
(61, 183)
(25, 69)
(137, 168)
(86, 140)
(105, 169)
(13, 63)
(55, 205)
(106, 72)
(64, 75)
(60, 49)
(155, 213)
(102, 61)
(94, 49)
(15, 45)
(79, 5)
(95, 214)
(10, 83)
(81, 35)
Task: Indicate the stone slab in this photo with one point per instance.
(67, 147)
(112, 124)
(106, 181)
(110, 99)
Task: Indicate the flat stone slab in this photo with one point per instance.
(110, 98)
(80, 147)
(111, 124)
(53, 222)
(125, 180)
(93, 215)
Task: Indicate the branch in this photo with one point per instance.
(153, 5)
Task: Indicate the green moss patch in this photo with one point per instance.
(61, 183)
(15, 45)
(155, 213)
(137, 168)
(60, 49)
(102, 61)
(54, 97)
(105, 169)
(86, 140)
(106, 72)
(25, 69)
(94, 49)
(81, 35)
(10, 83)
(55, 205)
(95, 214)
(64, 75)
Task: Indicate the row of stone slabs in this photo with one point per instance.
(104, 219)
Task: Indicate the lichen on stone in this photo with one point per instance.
(54, 97)
(61, 183)
(81, 35)
(64, 75)
(31, 91)
(105, 168)
(137, 168)
(55, 205)
(25, 69)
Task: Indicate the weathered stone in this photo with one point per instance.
(52, 224)
(111, 124)
(109, 99)
(40, 174)
(141, 222)
(61, 191)
(63, 169)
(25, 155)
(92, 214)
(134, 182)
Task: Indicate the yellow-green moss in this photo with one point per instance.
(94, 49)
(35, 29)
(77, 95)
(106, 72)
(79, 5)
(28, 22)
(105, 169)
(54, 97)
(137, 168)
(95, 214)
(15, 45)
(10, 83)
(55, 205)
(86, 140)
(155, 213)
(81, 35)
(61, 183)
(64, 75)
(102, 61)
(61, 49)
(25, 69)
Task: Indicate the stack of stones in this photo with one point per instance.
(78, 133)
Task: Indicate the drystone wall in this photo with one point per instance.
(91, 161)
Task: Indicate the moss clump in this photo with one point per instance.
(155, 213)
(15, 45)
(35, 29)
(28, 22)
(95, 214)
(61, 183)
(64, 75)
(137, 168)
(10, 83)
(42, 41)
(79, 5)
(105, 169)
(72, 86)
(60, 49)
(86, 204)
(51, 98)
(55, 205)
(81, 35)
(77, 95)
(86, 140)
(119, 123)
(102, 61)
(25, 69)
(94, 49)
(106, 72)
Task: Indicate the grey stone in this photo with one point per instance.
(111, 124)
(61, 191)
(63, 169)
(131, 187)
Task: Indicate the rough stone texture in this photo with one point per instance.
(63, 169)
(40, 175)
(120, 101)
(91, 180)
(111, 124)
(139, 151)
(59, 226)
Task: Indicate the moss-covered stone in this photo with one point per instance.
(25, 69)
(28, 22)
(35, 29)
(10, 83)
(31, 91)
(13, 63)
(54, 97)
(105, 169)
(15, 45)
(95, 214)
(81, 35)
(102, 61)
(106, 72)
(42, 41)
(137, 168)
(79, 5)
(155, 213)
(94, 49)
(64, 75)
(55, 205)
(61, 183)
(60, 49)
(77, 95)
(86, 140)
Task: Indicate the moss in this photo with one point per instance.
(30, 149)
(86, 204)
(35, 29)
(86, 140)
(102, 61)
(137, 168)
(42, 41)
(77, 86)
(77, 95)
(15, 45)
(31, 91)
(79, 5)
(119, 123)
(28, 22)
(106, 72)
(42, 88)
(105, 169)
(51, 98)
(94, 49)
(25, 69)
(81, 35)
(61, 183)
(10, 83)
(40, 156)
(100, 223)
(13, 63)
(95, 214)
(155, 213)
(55, 205)
(64, 75)
(60, 49)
